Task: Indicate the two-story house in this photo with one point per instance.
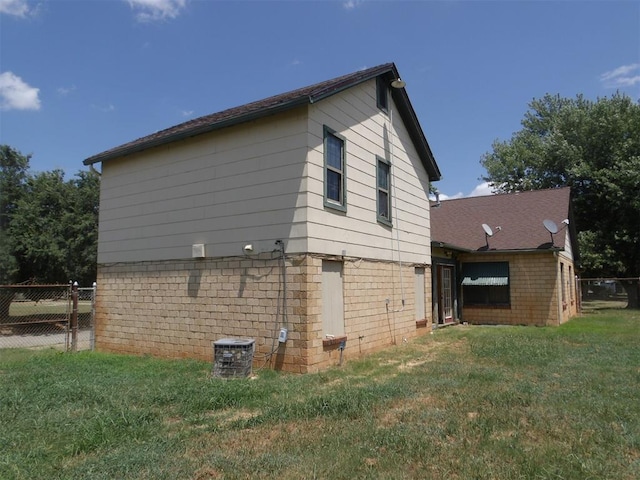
(300, 221)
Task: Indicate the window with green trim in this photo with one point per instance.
(334, 170)
(383, 191)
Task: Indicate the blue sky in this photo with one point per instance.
(79, 77)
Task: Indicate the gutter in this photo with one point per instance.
(435, 243)
(449, 246)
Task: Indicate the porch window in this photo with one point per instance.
(485, 283)
(384, 191)
(334, 170)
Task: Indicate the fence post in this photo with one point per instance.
(92, 330)
(74, 317)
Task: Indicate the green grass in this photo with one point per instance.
(465, 402)
(60, 307)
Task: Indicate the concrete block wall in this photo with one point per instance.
(534, 291)
(178, 308)
(370, 322)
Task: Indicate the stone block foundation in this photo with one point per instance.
(178, 308)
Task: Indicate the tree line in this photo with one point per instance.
(48, 225)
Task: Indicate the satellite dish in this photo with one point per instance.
(487, 230)
(551, 226)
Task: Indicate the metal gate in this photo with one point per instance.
(47, 316)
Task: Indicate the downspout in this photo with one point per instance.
(395, 205)
(558, 289)
(285, 320)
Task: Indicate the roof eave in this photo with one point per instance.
(449, 246)
(192, 132)
(520, 250)
(401, 98)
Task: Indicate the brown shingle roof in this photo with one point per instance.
(279, 103)
(458, 222)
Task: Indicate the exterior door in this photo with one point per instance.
(445, 294)
(332, 299)
(420, 296)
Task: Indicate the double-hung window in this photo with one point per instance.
(383, 191)
(334, 170)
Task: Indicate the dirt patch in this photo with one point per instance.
(408, 407)
(207, 474)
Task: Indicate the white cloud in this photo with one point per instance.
(480, 190)
(15, 94)
(154, 10)
(444, 196)
(352, 4)
(17, 8)
(484, 188)
(623, 76)
(105, 109)
(187, 113)
(64, 91)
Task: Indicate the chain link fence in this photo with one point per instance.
(602, 293)
(47, 316)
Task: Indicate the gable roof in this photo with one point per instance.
(280, 103)
(457, 223)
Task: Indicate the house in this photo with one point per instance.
(504, 259)
(300, 222)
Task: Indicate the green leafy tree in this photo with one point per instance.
(38, 229)
(13, 176)
(81, 223)
(54, 229)
(593, 147)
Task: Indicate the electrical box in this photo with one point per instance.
(282, 338)
(197, 250)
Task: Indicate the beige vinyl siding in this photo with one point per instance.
(568, 251)
(224, 189)
(354, 115)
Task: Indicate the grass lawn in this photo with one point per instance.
(46, 307)
(463, 403)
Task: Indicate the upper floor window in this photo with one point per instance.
(334, 170)
(382, 94)
(383, 191)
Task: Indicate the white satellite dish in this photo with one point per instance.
(487, 230)
(551, 226)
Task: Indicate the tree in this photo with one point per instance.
(81, 222)
(13, 176)
(38, 229)
(54, 229)
(593, 147)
